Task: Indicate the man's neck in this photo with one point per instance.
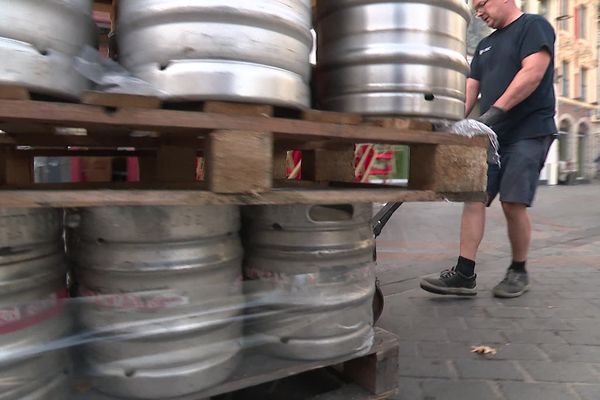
(513, 16)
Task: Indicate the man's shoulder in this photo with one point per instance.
(536, 19)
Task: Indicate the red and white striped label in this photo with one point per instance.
(135, 301)
(23, 316)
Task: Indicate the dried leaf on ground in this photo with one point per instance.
(485, 350)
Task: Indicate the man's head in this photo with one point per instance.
(496, 13)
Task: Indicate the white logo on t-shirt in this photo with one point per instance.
(485, 50)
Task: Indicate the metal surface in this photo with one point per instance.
(378, 222)
(253, 51)
(32, 317)
(38, 40)
(314, 273)
(388, 58)
(163, 287)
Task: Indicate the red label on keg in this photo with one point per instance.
(135, 301)
(25, 315)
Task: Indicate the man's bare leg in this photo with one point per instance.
(519, 229)
(472, 229)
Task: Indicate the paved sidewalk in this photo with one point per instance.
(547, 342)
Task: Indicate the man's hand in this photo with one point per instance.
(492, 116)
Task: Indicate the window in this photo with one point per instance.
(563, 23)
(583, 84)
(543, 8)
(580, 21)
(565, 79)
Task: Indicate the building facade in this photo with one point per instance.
(577, 79)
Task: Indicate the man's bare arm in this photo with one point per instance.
(472, 94)
(528, 79)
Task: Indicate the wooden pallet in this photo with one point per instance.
(244, 146)
(373, 376)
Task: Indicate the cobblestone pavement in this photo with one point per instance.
(547, 341)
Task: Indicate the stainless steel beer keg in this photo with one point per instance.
(38, 43)
(162, 289)
(393, 58)
(32, 314)
(313, 278)
(239, 50)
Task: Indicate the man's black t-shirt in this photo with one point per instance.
(497, 60)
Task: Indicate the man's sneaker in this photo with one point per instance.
(514, 284)
(450, 281)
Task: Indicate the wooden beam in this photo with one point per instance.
(279, 164)
(119, 100)
(27, 198)
(448, 168)
(79, 115)
(239, 161)
(13, 92)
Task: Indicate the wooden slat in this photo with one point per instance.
(24, 197)
(239, 161)
(332, 117)
(222, 107)
(85, 153)
(119, 100)
(401, 123)
(166, 120)
(97, 141)
(14, 92)
(444, 168)
(279, 164)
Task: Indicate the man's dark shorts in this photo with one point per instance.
(517, 178)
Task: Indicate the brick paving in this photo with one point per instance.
(547, 342)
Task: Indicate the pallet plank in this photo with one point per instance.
(79, 115)
(14, 92)
(23, 197)
(332, 117)
(119, 100)
(401, 123)
(223, 107)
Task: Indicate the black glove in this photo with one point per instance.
(492, 116)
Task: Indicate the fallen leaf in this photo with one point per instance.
(485, 350)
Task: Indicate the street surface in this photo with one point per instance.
(547, 342)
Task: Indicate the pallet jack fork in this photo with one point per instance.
(377, 224)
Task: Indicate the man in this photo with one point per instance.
(513, 70)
